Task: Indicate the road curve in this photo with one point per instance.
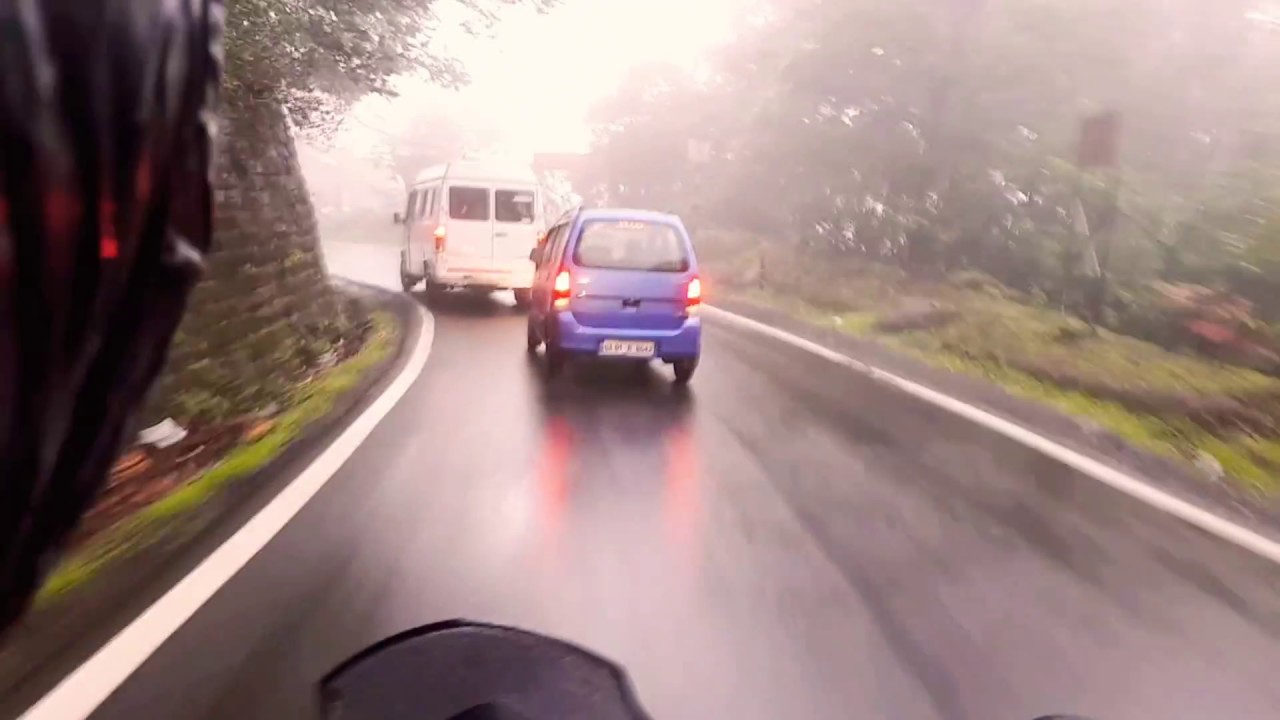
(786, 540)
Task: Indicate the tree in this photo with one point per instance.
(933, 133)
(416, 138)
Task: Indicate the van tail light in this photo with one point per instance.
(693, 293)
(442, 238)
(562, 289)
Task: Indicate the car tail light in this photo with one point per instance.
(441, 238)
(562, 289)
(693, 293)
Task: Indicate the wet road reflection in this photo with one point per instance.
(681, 499)
(783, 540)
(554, 467)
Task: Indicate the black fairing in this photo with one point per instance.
(461, 670)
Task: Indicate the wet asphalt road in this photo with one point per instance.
(786, 540)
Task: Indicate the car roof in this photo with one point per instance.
(628, 214)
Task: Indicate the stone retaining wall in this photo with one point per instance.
(265, 314)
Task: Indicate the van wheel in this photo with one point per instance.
(684, 370)
(407, 281)
(524, 298)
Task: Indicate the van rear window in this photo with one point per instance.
(631, 245)
(513, 206)
(468, 203)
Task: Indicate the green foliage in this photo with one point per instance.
(315, 52)
(410, 141)
(1252, 461)
(1020, 335)
(939, 136)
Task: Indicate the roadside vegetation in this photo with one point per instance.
(153, 490)
(1220, 416)
(1077, 200)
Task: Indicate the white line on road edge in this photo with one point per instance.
(1127, 484)
(81, 692)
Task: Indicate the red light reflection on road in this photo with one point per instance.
(552, 479)
(681, 496)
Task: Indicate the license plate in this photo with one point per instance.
(627, 348)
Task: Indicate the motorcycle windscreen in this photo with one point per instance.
(458, 670)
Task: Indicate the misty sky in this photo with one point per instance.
(538, 75)
(534, 77)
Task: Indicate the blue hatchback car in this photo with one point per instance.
(617, 284)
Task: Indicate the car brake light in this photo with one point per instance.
(441, 238)
(693, 295)
(561, 290)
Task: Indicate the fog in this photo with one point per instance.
(888, 147)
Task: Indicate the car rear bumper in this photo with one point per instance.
(680, 343)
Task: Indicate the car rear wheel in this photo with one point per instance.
(524, 298)
(684, 370)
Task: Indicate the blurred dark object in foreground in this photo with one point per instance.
(105, 215)
(462, 670)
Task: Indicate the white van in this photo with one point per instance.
(471, 224)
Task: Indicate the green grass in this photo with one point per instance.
(859, 322)
(994, 329)
(851, 321)
(309, 403)
(1025, 335)
(1250, 461)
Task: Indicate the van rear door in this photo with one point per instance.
(515, 229)
(631, 275)
(468, 228)
(420, 226)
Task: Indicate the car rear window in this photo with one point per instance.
(631, 245)
(513, 206)
(468, 203)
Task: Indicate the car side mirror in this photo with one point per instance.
(536, 255)
(396, 219)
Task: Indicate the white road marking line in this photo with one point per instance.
(1128, 484)
(82, 691)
